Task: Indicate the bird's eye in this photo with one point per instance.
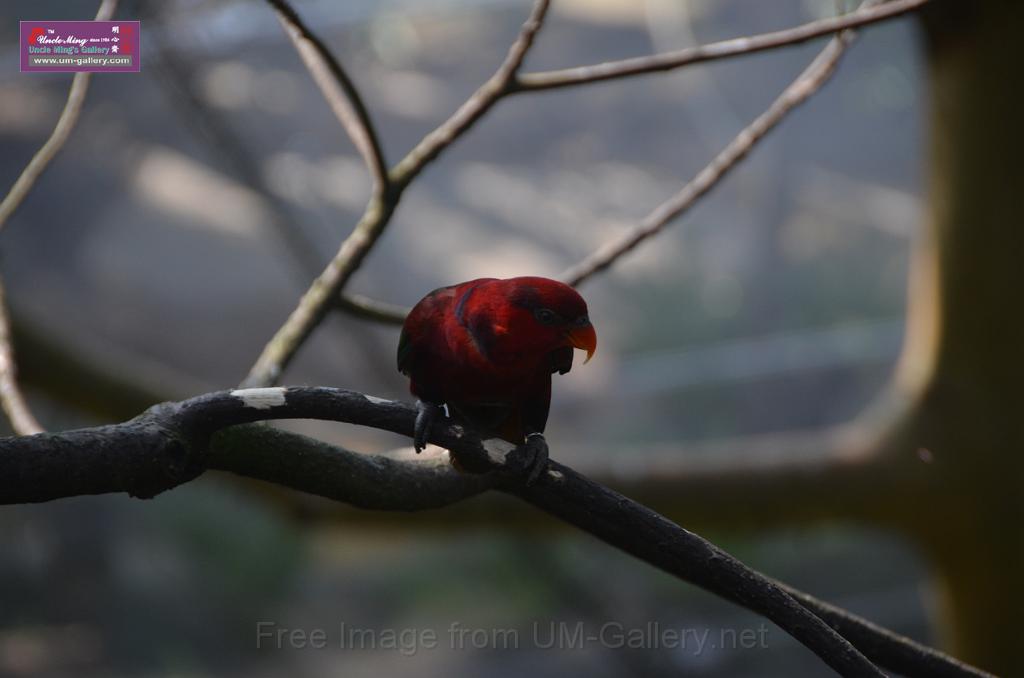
(545, 316)
(582, 320)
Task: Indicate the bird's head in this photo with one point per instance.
(547, 317)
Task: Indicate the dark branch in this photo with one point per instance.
(639, 531)
(173, 443)
(396, 481)
(891, 650)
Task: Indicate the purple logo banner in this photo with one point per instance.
(80, 46)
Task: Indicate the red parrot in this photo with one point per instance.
(486, 349)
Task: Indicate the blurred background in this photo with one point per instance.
(149, 250)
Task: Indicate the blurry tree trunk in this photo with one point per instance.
(965, 348)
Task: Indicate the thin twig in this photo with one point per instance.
(173, 443)
(321, 296)
(806, 84)
(338, 89)
(581, 75)
(65, 123)
(325, 290)
(11, 398)
(41, 160)
(372, 309)
(497, 86)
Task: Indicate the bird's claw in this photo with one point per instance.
(535, 457)
(426, 413)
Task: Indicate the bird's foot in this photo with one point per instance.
(535, 457)
(426, 413)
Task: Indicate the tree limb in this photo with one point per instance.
(582, 75)
(11, 398)
(891, 650)
(507, 81)
(165, 447)
(371, 309)
(171, 444)
(844, 474)
(323, 293)
(806, 84)
(639, 531)
(497, 86)
(338, 89)
(65, 123)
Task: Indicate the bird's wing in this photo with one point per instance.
(419, 323)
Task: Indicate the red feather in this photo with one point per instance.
(487, 349)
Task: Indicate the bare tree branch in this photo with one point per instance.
(639, 531)
(323, 293)
(507, 80)
(843, 474)
(497, 86)
(740, 486)
(339, 91)
(11, 398)
(376, 482)
(806, 84)
(174, 436)
(61, 131)
(372, 309)
(891, 650)
(174, 442)
(804, 477)
(581, 75)
(321, 296)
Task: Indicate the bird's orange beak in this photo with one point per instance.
(584, 338)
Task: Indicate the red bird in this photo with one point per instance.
(487, 349)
